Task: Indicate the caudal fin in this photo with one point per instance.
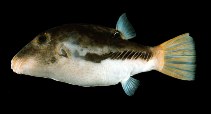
(176, 57)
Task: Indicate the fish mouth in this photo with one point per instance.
(24, 65)
(16, 65)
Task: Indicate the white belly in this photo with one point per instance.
(108, 72)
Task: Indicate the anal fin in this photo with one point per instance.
(130, 86)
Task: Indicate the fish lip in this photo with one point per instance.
(13, 62)
(16, 64)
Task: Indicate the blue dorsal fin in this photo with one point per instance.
(125, 28)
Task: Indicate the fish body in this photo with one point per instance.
(91, 55)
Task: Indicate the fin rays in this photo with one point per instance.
(179, 57)
(125, 27)
(131, 55)
(130, 86)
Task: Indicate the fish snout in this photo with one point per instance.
(16, 64)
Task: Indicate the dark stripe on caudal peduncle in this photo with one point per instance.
(132, 55)
(120, 55)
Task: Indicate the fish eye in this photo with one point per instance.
(42, 39)
(116, 34)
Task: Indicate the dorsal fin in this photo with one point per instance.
(125, 28)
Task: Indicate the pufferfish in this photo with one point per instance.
(92, 55)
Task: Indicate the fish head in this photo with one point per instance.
(40, 56)
(49, 52)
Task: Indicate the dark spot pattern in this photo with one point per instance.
(53, 60)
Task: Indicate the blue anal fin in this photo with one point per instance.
(130, 86)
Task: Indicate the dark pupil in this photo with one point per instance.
(42, 39)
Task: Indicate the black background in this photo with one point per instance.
(154, 22)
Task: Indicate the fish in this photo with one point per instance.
(90, 55)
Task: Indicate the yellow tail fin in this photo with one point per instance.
(176, 57)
